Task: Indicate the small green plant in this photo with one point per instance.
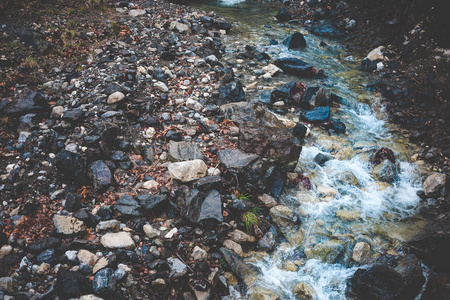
(30, 63)
(243, 196)
(115, 27)
(251, 218)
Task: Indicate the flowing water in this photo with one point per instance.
(338, 213)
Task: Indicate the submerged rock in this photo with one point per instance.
(391, 277)
(330, 252)
(304, 291)
(260, 293)
(316, 115)
(295, 66)
(386, 171)
(295, 41)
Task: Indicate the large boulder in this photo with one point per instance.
(391, 277)
(295, 41)
(434, 184)
(270, 142)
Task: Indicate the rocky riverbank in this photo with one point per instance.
(135, 164)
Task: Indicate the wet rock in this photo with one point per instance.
(67, 225)
(349, 178)
(182, 151)
(236, 159)
(104, 283)
(43, 244)
(270, 142)
(187, 171)
(127, 205)
(360, 251)
(260, 293)
(232, 92)
(321, 158)
(238, 267)
(295, 66)
(295, 41)
(330, 252)
(204, 208)
(115, 97)
(299, 131)
(386, 171)
(284, 217)
(316, 115)
(314, 96)
(283, 15)
(119, 240)
(27, 102)
(68, 284)
(434, 184)
(391, 277)
(267, 242)
(199, 254)
(177, 267)
(304, 291)
(71, 167)
(101, 174)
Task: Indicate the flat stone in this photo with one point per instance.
(119, 240)
(239, 236)
(101, 263)
(268, 200)
(67, 225)
(233, 246)
(235, 158)
(187, 171)
(150, 185)
(136, 12)
(283, 216)
(177, 267)
(127, 205)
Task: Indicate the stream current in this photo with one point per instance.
(337, 214)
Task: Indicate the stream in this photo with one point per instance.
(348, 205)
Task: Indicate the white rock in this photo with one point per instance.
(170, 234)
(213, 171)
(150, 231)
(376, 54)
(150, 132)
(150, 185)
(193, 104)
(71, 255)
(161, 86)
(181, 27)
(272, 69)
(115, 97)
(57, 111)
(190, 170)
(117, 240)
(136, 12)
(199, 254)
